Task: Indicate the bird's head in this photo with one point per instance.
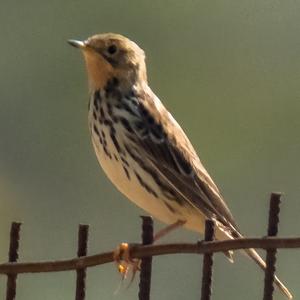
(112, 55)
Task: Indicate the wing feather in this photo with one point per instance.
(166, 147)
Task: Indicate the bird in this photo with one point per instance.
(141, 147)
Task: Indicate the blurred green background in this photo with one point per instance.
(229, 72)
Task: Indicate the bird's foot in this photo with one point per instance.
(125, 263)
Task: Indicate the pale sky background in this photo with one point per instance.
(229, 72)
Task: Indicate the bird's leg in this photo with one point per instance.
(122, 253)
(161, 233)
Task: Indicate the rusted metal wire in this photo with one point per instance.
(146, 265)
(147, 250)
(140, 251)
(13, 257)
(271, 253)
(83, 233)
(207, 266)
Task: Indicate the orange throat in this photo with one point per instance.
(98, 69)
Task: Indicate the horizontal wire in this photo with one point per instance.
(139, 251)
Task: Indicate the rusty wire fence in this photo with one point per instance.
(146, 250)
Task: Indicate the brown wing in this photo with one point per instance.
(174, 157)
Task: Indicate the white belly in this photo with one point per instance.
(135, 192)
(132, 188)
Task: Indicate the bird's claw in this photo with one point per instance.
(124, 262)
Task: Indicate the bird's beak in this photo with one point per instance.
(77, 44)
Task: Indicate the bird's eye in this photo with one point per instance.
(112, 49)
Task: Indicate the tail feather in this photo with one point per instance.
(223, 233)
(261, 263)
(229, 255)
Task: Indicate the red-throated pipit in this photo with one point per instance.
(142, 149)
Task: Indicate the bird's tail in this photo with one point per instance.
(223, 233)
(261, 263)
